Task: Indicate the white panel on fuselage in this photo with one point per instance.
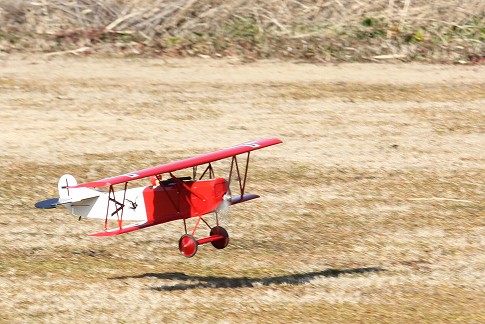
(96, 207)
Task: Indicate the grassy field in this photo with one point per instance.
(371, 211)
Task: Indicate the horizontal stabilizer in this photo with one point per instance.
(243, 198)
(122, 230)
(48, 203)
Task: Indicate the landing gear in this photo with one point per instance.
(188, 245)
(218, 237)
(222, 242)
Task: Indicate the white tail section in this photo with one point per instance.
(64, 182)
(68, 195)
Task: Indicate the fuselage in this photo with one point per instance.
(168, 201)
(184, 199)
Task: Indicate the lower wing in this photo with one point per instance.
(124, 229)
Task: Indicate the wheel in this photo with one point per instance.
(188, 245)
(223, 242)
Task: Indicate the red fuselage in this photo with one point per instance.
(183, 199)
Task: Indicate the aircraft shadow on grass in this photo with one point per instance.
(194, 282)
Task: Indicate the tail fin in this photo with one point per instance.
(63, 185)
(68, 194)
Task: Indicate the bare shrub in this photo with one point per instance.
(13, 11)
(344, 29)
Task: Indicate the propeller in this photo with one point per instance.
(222, 210)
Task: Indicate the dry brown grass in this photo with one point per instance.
(346, 30)
(371, 210)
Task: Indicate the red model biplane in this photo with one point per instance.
(164, 200)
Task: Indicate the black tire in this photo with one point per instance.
(222, 243)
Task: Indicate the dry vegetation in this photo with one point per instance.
(372, 210)
(332, 30)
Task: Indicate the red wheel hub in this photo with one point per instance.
(188, 245)
(223, 242)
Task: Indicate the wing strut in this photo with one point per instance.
(211, 172)
(119, 206)
(241, 181)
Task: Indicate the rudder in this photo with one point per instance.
(63, 185)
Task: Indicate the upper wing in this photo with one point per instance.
(183, 164)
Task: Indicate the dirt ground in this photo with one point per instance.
(371, 210)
